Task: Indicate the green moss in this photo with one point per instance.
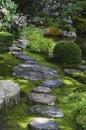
(18, 117)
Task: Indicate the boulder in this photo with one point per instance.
(9, 93)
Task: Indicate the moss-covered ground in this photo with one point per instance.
(18, 117)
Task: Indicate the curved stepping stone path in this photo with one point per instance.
(42, 98)
(47, 111)
(42, 90)
(43, 124)
(52, 83)
(9, 93)
(31, 70)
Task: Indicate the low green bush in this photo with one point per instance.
(37, 43)
(6, 39)
(67, 52)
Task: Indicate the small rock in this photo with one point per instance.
(43, 124)
(47, 111)
(83, 67)
(42, 98)
(52, 83)
(42, 90)
(71, 71)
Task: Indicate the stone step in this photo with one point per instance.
(34, 71)
(41, 89)
(71, 71)
(52, 83)
(43, 124)
(42, 98)
(22, 56)
(47, 111)
(14, 48)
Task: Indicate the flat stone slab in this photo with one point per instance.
(43, 124)
(52, 83)
(42, 90)
(71, 71)
(34, 72)
(47, 111)
(83, 67)
(22, 56)
(9, 93)
(42, 98)
(14, 48)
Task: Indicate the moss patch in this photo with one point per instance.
(18, 117)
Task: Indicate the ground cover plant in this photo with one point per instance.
(18, 116)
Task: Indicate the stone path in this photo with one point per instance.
(45, 103)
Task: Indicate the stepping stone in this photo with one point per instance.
(9, 93)
(14, 48)
(52, 83)
(42, 98)
(22, 56)
(31, 62)
(83, 67)
(71, 71)
(43, 124)
(34, 72)
(42, 90)
(47, 111)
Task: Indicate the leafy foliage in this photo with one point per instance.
(79, 113)
(8, 11)
(37, 43)
(67, 52)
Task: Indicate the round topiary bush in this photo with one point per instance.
(67, 52)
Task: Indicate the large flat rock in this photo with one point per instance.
(9, 93)
(42, 98)
(34, 72)
(43, 124)
(47, 111)
(52, 83)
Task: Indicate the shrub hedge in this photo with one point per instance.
(67, 52)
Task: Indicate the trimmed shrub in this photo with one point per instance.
(67, 52)
(6, 39)
(37, 43)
